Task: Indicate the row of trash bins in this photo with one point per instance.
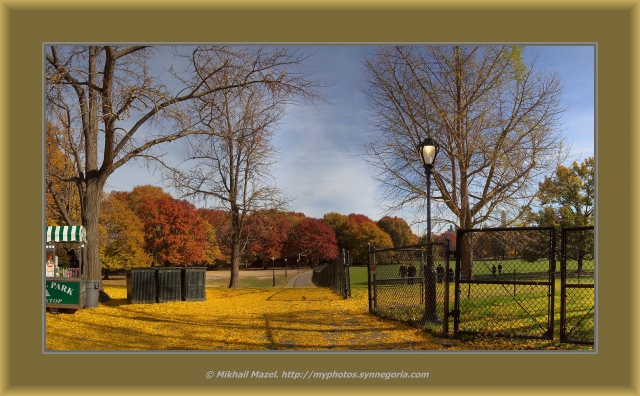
(162, 284)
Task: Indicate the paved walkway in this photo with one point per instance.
(302, 280)
(298, 281)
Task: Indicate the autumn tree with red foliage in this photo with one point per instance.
(221, 224)
(443, 237)
(174, 233)
(316, 240)
(268, 233)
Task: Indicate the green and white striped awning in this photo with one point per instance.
(66, 234)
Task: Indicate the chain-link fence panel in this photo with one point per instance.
(410, 284)
(505, 282)
(577, 269)
(334, 275)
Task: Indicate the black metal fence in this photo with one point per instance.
(577, 285)
(411, 284)
(334, 275)
(505, 283)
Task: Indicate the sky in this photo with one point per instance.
(320, 145)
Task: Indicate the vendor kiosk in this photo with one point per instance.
(65, 284)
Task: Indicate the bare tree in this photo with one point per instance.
(125, 101)
(232, 164)
(495, 118)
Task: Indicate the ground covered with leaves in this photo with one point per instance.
(251, 319)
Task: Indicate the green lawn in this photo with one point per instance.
(358, 276)
(483, 266)
(491, 308)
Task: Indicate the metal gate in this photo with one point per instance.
(577, 290)
(411, 284)
(504, 282)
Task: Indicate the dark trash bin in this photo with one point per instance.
(93, 292)
(168, 284)
(194, 284)
(141, 285)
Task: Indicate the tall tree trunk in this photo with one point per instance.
(466, 221)
(90, 216)
(235, 265)
(236, 230)
(91, 182)
(466, 252)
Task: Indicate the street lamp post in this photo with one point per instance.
(428, 151)
(273, 269)
(285, 267)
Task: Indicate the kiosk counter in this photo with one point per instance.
(65, 288)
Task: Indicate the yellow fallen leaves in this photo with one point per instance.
(247, 319)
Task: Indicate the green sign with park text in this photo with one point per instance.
(63, 292)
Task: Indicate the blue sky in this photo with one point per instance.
(319, 145)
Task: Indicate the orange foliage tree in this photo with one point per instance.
(174, 233)
(362, 231)
(398, 229)
(355, 231)
(141, 193)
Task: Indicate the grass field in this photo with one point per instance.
(484, 268)
(492, 308)
(358, 277)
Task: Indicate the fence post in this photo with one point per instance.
(345, 275)
(369, 279)
(563, 283)
(456, 279)
(445, 328)
(422, 278)
(552, 281)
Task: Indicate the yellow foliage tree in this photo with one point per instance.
(213, 252)
(121, 236)
(62, 200)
